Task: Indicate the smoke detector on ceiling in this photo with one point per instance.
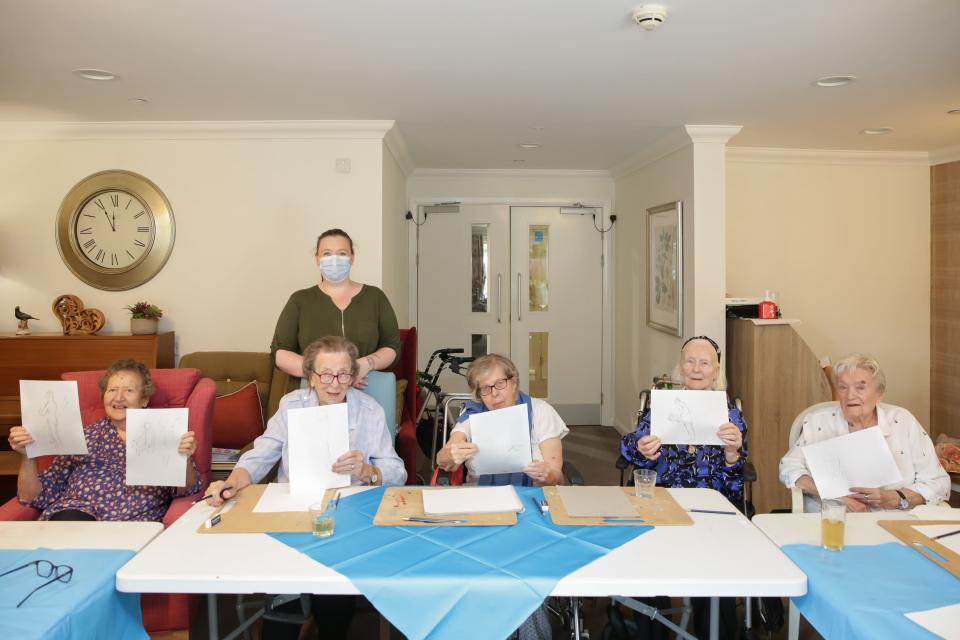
(650, 16)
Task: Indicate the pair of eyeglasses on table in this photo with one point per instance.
(45, 569)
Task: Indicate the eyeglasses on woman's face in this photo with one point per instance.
(327, 378)
(499, 385)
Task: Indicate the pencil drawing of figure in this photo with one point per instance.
(143, 444)
(684, 419)
(50, 410)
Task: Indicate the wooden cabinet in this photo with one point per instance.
(776, 376)
(44, 356)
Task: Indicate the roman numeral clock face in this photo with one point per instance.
(114, 229)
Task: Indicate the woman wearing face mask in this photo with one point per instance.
(337, 306)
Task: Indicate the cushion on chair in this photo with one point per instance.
(237, 418)
(382, 386)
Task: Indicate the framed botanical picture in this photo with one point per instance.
(665, 267)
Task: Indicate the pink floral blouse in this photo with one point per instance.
(94, 483)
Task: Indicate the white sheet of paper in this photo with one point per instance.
(687, 417)
(503, 440)
(943, 621)
(860, 459)
(277, 498)
(153, 436)
(596, 502)
(50, 410)
(442, 502)
(317, 436)
(950, 542)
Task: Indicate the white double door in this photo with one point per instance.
(525, 282)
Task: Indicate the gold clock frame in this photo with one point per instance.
(156, 254)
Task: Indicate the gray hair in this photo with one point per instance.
(329, 344)
(863, 361)
(484, 365)
(129, 366)
(719, 382)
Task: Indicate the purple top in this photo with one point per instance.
(94, 483)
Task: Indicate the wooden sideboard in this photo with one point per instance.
(776, 376)
(44, 356)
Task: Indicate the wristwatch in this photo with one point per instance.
(374, 476)
(904, 503)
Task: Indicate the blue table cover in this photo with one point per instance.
(89, 606)
(456, 582)
(864, 591)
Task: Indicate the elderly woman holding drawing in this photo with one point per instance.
(494, 382)
(330, 365)
(717, 467)
(93, 486)
(861, 385)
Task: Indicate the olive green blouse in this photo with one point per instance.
(368, 321)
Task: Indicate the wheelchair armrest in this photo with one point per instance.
(623, 463)
(572, 474)
(749, 472)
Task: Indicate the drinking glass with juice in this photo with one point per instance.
(832, 518)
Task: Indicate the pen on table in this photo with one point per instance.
(944, 535)
(624, 520)
(433, 520)
(724, 513)
(336, 500)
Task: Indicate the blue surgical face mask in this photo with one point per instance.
(335, 268)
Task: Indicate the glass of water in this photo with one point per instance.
(323, 518)
(644, 482)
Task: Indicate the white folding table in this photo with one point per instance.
(33, 534)
(720, 555)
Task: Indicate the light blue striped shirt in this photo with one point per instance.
(367, 429)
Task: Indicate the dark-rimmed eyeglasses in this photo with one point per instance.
(328, 378)
(45, 569)
(499, 385)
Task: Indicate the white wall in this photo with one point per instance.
(248, 208)
(396, 280)
(640, 352)
(848, 248)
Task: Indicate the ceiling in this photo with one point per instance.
(468, 81)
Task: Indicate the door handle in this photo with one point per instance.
(499, 298)
(519, 294)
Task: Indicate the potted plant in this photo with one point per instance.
(144, 318)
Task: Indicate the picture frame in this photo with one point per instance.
(665, 268)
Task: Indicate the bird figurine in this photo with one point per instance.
(22, 328)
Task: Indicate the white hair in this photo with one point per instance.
(719, 382)
(863, 361)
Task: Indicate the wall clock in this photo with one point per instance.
(115, 230)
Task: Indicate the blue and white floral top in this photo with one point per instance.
(695, 466)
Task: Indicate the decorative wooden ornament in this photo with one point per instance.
(77, 320)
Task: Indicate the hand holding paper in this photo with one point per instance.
(503, 440)
(318, 436)
(51, 416)
(154, 453)
(860, 459)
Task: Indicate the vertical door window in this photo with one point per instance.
(539, 294)
(479, 345)
(539, 352)
(480, 267)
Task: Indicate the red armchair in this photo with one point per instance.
(174, 388)
(406, 368)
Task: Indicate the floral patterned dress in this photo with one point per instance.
(94, 483)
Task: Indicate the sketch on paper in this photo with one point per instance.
(317, 436)
(51, 414)
(687, 417)
(153, 437)
(860, 459)
(503, 439)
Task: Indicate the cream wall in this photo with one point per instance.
(396, 280)
(248, 208)
(848, 248)
(640, 352)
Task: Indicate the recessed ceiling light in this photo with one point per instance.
(954, 112)
(835, 81)
(879, 131)
(137, 100)
(95, 74)
(529, 145)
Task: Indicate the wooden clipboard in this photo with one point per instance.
(660, 511)
(406, 502)
(905, 532)
(241, 518)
